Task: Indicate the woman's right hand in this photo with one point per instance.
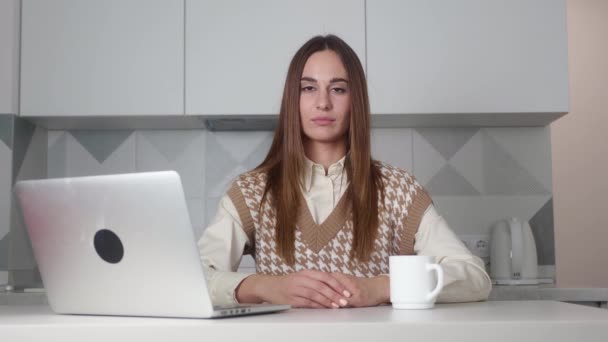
(303, 289)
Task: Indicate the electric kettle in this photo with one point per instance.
(513, 259)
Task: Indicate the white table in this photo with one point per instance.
(515, 321)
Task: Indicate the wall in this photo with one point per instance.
(9, 70)
(580, 152)
(6, 160)
(476, 176)
(23, 150)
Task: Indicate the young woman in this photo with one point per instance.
(320, 216)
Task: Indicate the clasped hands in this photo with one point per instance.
(314, 289)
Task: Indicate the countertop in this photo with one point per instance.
(548, 292)
(499, 292)
(498, 320)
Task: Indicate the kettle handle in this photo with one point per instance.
(517, 247)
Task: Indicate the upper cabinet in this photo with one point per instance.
(238, 52)
(467, 56)
(9, 55)
(98, 58)
(428, 62)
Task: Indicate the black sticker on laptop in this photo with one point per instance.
(108, 246)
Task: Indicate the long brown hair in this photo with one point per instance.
(285, 160)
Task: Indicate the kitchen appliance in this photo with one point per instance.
(513, 259)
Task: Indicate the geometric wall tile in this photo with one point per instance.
(54, 135)
(503, 174)
(448, 182)
(173, 147)
(6, 185)
(34, 164)
(196, 209)
(56, 157)
(447, 141)
(256, 157)
(6, 130)
(393, 146)
(101, 144)
(468, 162)
(228, 154)
(426, 160)
(80, 162)
(182, 151)
(21, 255)
(4, 252)
(477, 214)
(221, 167)
(21, 261)
(239, 145)
(530, 147)
(542, 229)
(179, 150)
(459, 166)
(24, 131)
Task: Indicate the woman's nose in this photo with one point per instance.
(323, 101)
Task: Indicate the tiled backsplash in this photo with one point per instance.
(476, 176)
(6, 167)
(23, 151)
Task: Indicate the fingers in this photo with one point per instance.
(352, 287)
(330, 280)
(321, 293)
(316, 289)
(346, 282)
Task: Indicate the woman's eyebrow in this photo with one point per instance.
(338, 79)
(333, 80)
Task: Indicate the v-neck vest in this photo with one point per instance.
(326, 246)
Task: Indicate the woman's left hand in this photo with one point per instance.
(365, 291)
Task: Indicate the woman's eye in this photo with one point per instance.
(308, 88)
(339, 90)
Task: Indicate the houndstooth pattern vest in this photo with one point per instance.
(326, 246)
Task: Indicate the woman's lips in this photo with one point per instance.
(323, 120)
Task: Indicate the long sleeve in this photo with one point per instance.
(465, 278)
(221, 245)
(221, 248)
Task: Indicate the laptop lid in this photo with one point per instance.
(116, 245)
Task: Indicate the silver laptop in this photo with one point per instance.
(119, 245)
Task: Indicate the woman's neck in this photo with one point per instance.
(324, 153)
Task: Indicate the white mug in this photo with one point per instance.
(413, 284)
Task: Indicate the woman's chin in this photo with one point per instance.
(326, 139)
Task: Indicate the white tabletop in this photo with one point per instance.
(487, 321)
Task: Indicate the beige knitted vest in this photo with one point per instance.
(326, 246)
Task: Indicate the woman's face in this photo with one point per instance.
(324, 98)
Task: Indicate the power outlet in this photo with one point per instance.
(478, 244)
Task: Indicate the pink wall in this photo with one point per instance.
(580, 153)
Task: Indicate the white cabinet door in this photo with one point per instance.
(9, 55)
(467, 56)
(237, 52)
(110, 57)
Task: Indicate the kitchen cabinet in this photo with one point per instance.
(467, 56)
(238, 52)
(9, 55)
(100, 58)
(144, 63)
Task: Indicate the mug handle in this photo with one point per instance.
(439, 286)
